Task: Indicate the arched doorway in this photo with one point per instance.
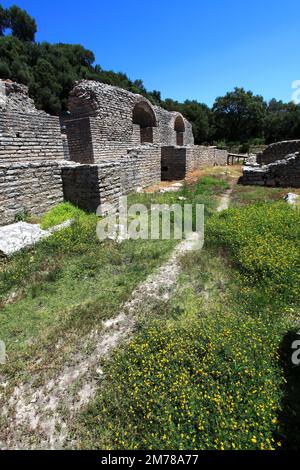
(179, 128)
(143, 115)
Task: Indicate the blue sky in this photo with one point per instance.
(192, 49)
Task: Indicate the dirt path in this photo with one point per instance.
(36, 418)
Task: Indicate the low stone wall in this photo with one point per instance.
(278, 151)
(178, 161)
(200, 155)
(91, 186)
(282, 173)
(30, 137)
(141, 167)
(29, 188)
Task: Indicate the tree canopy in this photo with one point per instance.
(50, 71)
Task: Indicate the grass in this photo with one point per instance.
(243, 195)
(67, 284)
(211, 368)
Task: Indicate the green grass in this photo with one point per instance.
(243, 195)
(61, 213)
(68, 283)
(211, 368)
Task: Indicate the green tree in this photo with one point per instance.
(21, 24)
(4, 23)
(239, 116)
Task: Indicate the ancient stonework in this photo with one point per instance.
(26, 134)
(278, 165)
(112, 143)
(278, 151)
(282, 173)
(29, 187)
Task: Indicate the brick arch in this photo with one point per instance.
(179, 128)
(144, 116)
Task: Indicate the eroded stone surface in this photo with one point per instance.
(20, 235)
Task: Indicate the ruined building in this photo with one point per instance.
(112, 143)
(277, 166)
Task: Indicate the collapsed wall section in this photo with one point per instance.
(278, 151)
(282, 173)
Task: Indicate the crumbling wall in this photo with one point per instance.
(282, 173)
(32, 188)
(200, 155)
(26, 134)
(94, 185)
(108, 112)
(141, 167)
(166, 128)
(278, 151)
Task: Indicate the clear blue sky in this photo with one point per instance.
(186, 49)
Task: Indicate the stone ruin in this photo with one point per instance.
(111, 143)
(277, 166)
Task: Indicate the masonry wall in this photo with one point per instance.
(106, 113)
(278, 151)
(80, 140)
(33, 187)
(173, 163)
(176, 162)
(200, 155)
(166, 131)
(141, 167)
(282, 173)
(89, 186)
(30, 137)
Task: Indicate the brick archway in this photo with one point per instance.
(144, 116)
(179, 128)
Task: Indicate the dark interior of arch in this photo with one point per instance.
(179, 129)
(144, 116)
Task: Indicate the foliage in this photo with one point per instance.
(190, 385)
(263, 241)
(61, 213)
(209, 374)
(238, 116)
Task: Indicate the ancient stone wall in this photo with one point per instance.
(91, 186)
(200, 155)
(26, 134)
(27, 187)
(282, 173)
(173, 163)
(278, 151)
(167, 128)
(114, 120)
(30, 137)
(140, 167)
(176, 162)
